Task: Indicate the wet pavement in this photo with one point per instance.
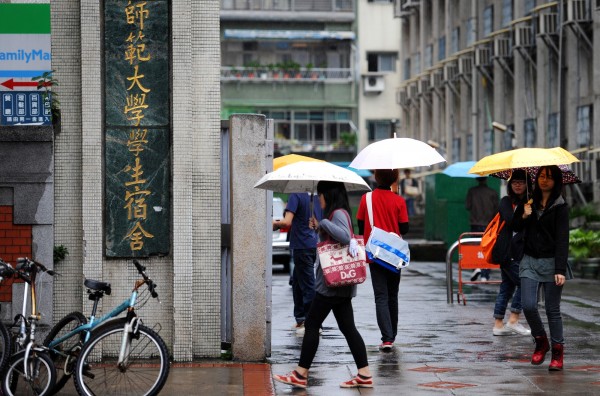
(441, 349)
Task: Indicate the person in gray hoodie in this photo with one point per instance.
(336, 224)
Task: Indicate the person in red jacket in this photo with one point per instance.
(389, 214)
(544, 264)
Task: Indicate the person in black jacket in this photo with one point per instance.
(544, 264)
(508, 252)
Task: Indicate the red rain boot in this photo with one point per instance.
(556, 364)
(541, 347)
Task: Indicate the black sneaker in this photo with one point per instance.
(475, 275)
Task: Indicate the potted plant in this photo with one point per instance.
(584, 247)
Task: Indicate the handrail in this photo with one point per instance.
(449, 286)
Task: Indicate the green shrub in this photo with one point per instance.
(584, 244)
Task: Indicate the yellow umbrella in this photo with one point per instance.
(291, 159)
(522, 158)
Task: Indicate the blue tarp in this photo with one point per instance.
(288, 34)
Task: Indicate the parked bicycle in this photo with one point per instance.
(6, 271)
(30, 370)
(110, 355)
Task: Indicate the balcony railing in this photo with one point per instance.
(289, 5)
(329, 75)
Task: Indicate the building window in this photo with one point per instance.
(417, 63)
(379, 129)
(552, 136)
(488, 141)
(584, 118)
(529, 130)
(470, 147)
(455, 149)
(428, 58)
(442, 48)
(507, 12)
(471, 31)
(488, 21)
(455, 40)
(407, 68)
(507, 138)
(529, 4)
(381, 62)
(309, 128)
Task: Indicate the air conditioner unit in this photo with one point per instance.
(482, 56)
(424, 85)
(577, 11)
(374, 84)
(402, 97)
(548, 23)
(524, 37)
(413, 91)
(501, 47)
(408, 4)
(437, 78)
(465, 65)
(450, 71)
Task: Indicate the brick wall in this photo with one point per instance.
(15, 242)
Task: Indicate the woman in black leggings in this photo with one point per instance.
(336, 224)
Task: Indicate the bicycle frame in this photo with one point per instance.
(93, 323)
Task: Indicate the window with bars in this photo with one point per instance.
(529, 132)
(552, 137)
(584, 119)
(442, 48)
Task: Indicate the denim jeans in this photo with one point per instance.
(303, 285)
(385, 287)
(510, 287)
(552, 295)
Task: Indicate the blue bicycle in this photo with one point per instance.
(110, 355)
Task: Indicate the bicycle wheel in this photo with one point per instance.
(144, 371)
(40, 369)
(64, 355)
(5, 346)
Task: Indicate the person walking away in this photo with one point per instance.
(410, 191)
(510, 252)
(389, 214)
(336, 225)
(544, 264)
(303, 244)
(482, 202)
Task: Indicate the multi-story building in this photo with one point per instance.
(527, 65)
(295, 62)
(379, 50)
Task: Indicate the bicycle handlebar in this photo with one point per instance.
(149, 282)
(26, 264)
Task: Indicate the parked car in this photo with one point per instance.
(281, 243)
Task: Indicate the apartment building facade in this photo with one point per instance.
(526, 66)
(295, 62)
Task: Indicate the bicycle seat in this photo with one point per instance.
(97, 285)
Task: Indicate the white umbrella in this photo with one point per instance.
(396, 153)
(303, 176)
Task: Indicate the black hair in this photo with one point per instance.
(519, 174)
(556, 174)
(335, 196)
(386, 177)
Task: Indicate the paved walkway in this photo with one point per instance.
(442, 349)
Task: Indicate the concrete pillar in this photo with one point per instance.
(251, 145)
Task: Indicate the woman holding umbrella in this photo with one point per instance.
(544, 264)
(336, 224)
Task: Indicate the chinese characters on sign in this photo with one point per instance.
(137, 134)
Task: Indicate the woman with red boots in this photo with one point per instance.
(544, 264)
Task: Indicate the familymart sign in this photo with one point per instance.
(24, 53)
